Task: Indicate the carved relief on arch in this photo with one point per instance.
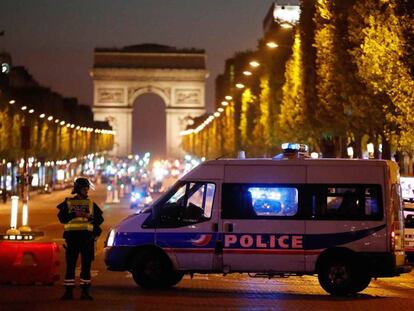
(164, 93)
(110, 95)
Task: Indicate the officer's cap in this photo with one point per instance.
(81, 182)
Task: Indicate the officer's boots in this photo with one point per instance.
(68, 294)
(85, 293)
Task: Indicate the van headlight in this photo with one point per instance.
(111, 238)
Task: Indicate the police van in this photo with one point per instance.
(339, 219)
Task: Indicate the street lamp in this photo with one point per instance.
(254, 64)
(26, 179)
(286, 25)
(272, 44)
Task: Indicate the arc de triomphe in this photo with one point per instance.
(120, 76)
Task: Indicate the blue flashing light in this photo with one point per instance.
(135, 196)
(292, 147)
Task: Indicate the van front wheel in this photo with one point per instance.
(153, 271)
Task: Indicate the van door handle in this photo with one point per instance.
(228, 227)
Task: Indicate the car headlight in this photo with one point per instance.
(111, 238)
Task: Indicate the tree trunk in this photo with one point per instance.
(328, 148)
(386, 148)
(376, 147)
(357, 146)
(344, 145)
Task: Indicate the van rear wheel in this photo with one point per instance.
(336, 276)
(154, 270)
(175, 277)
(362, 281)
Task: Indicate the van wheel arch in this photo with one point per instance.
(341, 271)
(152, 268)
(338, 252)
(141, 251)
(333, 253)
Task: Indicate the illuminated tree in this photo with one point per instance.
(262, 143)
(229, 131)
(292, 120)
(246, 119)
(379, 54)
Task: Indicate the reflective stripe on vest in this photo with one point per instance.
(79, 223)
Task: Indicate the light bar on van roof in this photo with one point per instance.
(291, 147)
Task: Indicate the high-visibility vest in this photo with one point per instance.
(79, 223)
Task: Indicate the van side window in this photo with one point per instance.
(245, 201)
(346, 202)
(187, 203)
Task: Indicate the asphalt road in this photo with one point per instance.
(117, 290)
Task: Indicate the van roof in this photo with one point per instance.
(296, 170)
(301, 161)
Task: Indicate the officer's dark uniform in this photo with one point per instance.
(81, 218)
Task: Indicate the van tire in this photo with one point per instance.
(362, 281)
(337, 276)
(175, 277)
(153, 270)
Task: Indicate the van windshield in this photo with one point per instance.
(186, 203)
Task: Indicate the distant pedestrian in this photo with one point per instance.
(82, 219)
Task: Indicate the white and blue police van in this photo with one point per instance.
(339, 219)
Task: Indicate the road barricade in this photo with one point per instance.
(27, 263)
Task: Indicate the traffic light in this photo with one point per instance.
(19, 180)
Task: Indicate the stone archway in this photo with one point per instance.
(121, 75)
(149, 120)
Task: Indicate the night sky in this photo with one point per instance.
(55, 39)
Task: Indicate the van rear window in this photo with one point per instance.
(346, 202)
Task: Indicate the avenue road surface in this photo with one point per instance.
(117, 290)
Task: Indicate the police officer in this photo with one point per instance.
(81, 218)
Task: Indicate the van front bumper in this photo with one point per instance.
(117, 257)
